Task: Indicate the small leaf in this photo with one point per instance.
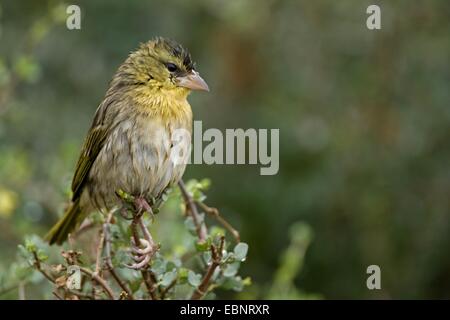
(240, 251)
(42, 256)
(203, 246)
(247, 281)
(231, 269)
(183, 274)
(207, 256)
(205, 184)
(159, 267)
(30, 245)
(168, 277)
(194, 279)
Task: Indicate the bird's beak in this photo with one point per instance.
(192, 81)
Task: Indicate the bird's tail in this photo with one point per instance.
(60, 231)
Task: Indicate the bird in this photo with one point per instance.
(128, 146)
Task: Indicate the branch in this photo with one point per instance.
(109, 263)
(168, 288)
(98, 261)
(149, 280)
(106, 288)
(214, 212)
(192, 209)
(216, 254)
(38, 266)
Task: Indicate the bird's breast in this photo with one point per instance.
(142, 157)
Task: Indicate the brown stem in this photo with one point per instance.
(109, 263)
(149, 283)
(98, 263)
(214, 212)
(192, 209)
(168, 288)
(216, 257)
(106, 288)
(38, 266)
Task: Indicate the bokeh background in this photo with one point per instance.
(364, 121)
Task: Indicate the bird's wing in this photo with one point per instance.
(92, 145)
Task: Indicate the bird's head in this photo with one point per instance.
(161, 65)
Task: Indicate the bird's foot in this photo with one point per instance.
(141, 255)
(145, 249)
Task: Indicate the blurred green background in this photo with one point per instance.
(364, 123)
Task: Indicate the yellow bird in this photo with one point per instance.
(127, 147)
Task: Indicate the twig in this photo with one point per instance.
(106, 288)
(109, 263)
(168, 288)
(214, 212)
(216, 257)
(192, 209)
(149, 283)
(37, 264)
(98, 261)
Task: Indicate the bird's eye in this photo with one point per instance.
(171, 67)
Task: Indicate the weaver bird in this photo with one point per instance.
(126, 147)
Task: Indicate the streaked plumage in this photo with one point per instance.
(127, 147)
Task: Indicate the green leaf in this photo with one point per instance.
(240, 251)
(194, 279)
(183, 274)
(159, 266)
(231, 269)
(204, 245)
(247, 281)
(168, 277)
(30, 245)
(205, 184)
(207, 256)
(42, 255)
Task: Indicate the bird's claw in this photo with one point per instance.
(141, 256)
(148, 248)
(142, 206)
